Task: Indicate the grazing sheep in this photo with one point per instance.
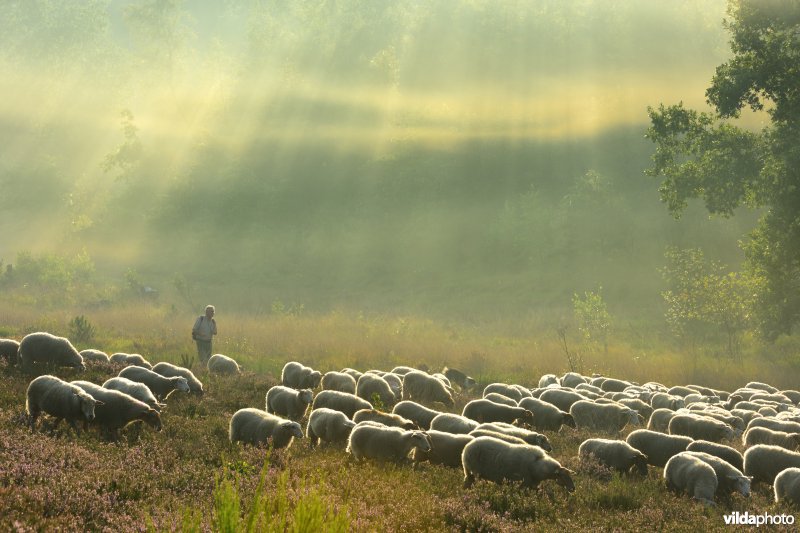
(383, 443)
(254, 426)
(424, 388)
(340, 401)
(415, 412)
(774, 424)
(395, 381)
(637, 405)
(288, 402)
(760, 435)
(700, 427)
(615, 385)
(546, 416)
(452, 423)
(729, 478)
(573, 379)
(787, 486)
(793, 395)
(483, 410)
(498, 461)
(161, 386)
(446, 449)
(299, 376)
(459, 378)
(402, 370)
(496, 397)
(9, 350)
(761, 386)
(169, 370)
(475, 433)
(777, 397)
(371, 384)
(658, 447)
(763, 462)
(222, 364)
(339, 381)
(548, 379)
(42, 347)
(745, 415)
(353, 373)
(118, 409)
(91, 354)
(689, 474)
(138, 390)
(585, 387)
(604, 417)
(328, 425)
(561, 398)
(128, 359)
(726, 453)
(62, 400)
(615, 454)
(387, 419)
(662, 400)
(529, 437)
(509, 391)
(441, 377)
(718, 413)
(659, 420)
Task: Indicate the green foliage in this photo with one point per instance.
(81, 329)
(594, 320)
(376, 402)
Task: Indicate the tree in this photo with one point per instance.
(705, 155)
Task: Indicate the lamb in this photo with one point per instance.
(787, 486)
(496, 397)
(371, 384)
(288, 402)
(222, 364)
(161, 386)
(9, 350)
(509, 391)
(382, 443)
(459, 378)
(763, 462)
(256, 427)
(662, 400)
(658, 447)
(340, 401)
(169, 370)
(140, 391)
(423, 388)
(328, 425)
(729, 478)
(761, 435)
(339, 381)
(419, 414)
(127, 359)
(62, 400)
(387, 419)
(529, 437)
(546, 416)
(452, 423)
(615, 454)
(299, 376)
(686, 473)
(43, 347)
(91, 354)
(561, 398)
(604, 417)
(488, 411)
(498, 461)
(118, 409)
(700, 427)
(446, 449)
(726, 453)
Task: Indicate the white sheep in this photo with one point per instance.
(328, 425)
(637, 405)
(573, 379)
(161, 386)
(729, 478)
(548, 379)
(662, 400)
(446, 448)
(604, 417)
(415, 412)
(727, 453)
(424, 388)
(761, 386)
(658, 447)
(483, 410)
(686, 473)
(793, 395)
(453, 423)
(546, 416)
(127, 359)
(138, 390)
(615, 454)
(496, 397)
(222, 364)
(90, 354)
(45, 348)
(589, 388)
(760, 435)
(340, 401)
(700, 427)
(9, 350)
(774, 424)
(475, 433)
(395, 381)
(59, 399)
(680, 390)
(562, 398)
(459, 378)
(298, 376)
(496, 460)
(338, 381)
(352, 372)
(614, 385)
(529, 437)
(763, 462)
(118, 409)
(402, 370)
(256, 427)
(371, 384)
(509, 391)
(387, 419)
(659, 420)
(383, 443)
(169, 370)
(787, 486)
(287, 402)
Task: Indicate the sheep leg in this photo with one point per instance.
(469, 479)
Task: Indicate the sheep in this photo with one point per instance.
(787, 486)
(727, 453)
(548, 379)
(43, 347)
(423, 388)
(658, 447)
(353, 373)
(383, 443)
(729, 478)
(546, 416)
(498, 461)
(662, 400)
(402, 370)
(763, 461)
(395, 381)
(705, 391)
(615, 385)
(761, 435)
(496, 397)
(585, 387)
(529, 437)
(745, 415)
(369, 385)
(604, 417)
(328, 425)
(169, 370)
(573, 379)
(222, 364)
(561, 398)
(91, 354)
(118, 409)
(340, 401)
(475, 433)
(9, 350)
(700, 427)
(659, 420)
(256, 427)
(339, 381)
(387, 419)
(509, 391)
(716, 413)
(772, 397)
(127, 359)
(452, 423)
(446, 448)
(415, 412)
(615, 454)
(686, 473)
(138, 390)
(637, 405)
(62, 400)
(793, 395)
(775, 424)
(441, 377)
(483, 410)
(459, 378)
(299, 376)
(679, 390)
(761, 386)
(161, 386)
(288, 402)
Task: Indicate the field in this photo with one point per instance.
(189, 477)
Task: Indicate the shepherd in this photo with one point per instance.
(204, 329)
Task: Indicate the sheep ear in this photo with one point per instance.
(98, 402)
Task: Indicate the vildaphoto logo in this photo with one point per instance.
(746, 519)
